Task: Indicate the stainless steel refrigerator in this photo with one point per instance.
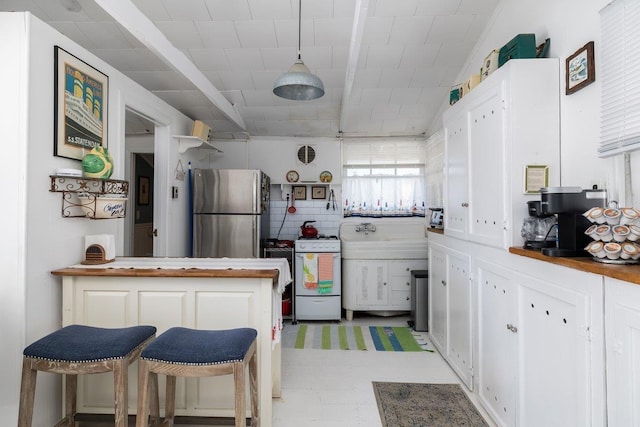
(230, 213)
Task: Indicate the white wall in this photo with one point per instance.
(570, 24)
(35, 238)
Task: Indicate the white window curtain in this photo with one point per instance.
(620, 85)
(384, 178)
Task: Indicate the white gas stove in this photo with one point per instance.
(311, 302)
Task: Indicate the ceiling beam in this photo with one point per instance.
(131, 18)
(359, 20)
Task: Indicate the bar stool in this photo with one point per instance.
(183, 352)
(75, 350)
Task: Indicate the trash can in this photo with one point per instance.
(420, 300)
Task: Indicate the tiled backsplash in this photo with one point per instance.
(326, 221)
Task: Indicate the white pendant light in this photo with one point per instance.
(298, 83)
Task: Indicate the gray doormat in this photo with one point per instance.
(422, 405)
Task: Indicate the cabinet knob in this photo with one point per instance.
(443, 283)
(407, 298)
(512, 328)
(408, 284)
(408, 269)
(465, 205)
(384, 284)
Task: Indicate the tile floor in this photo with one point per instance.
(332, 388)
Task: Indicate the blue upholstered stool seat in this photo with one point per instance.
(79, 343)
(200, 347)
(184, 352)
(78, 350)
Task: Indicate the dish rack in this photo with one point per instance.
(615, 233)
(91, 198)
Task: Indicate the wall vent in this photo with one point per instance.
(306, 154)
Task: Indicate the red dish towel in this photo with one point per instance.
(325, 273)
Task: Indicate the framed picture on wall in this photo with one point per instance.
(581, 69)
(143, 190)
(300, 192)
(81, 104)
(318, 192)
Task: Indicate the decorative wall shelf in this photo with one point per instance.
(91, 198)
(186, 142)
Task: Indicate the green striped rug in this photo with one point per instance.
(339, 337)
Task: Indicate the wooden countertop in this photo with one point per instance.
(628, 273)
(169, 272)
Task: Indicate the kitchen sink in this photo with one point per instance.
(383, 240)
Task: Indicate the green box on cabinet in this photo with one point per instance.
(520, 47)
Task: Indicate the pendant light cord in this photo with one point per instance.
(299, 26)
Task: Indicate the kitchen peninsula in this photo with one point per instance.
(200, 293)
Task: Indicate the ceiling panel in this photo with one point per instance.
(410, 53)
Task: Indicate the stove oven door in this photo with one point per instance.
(306, 283)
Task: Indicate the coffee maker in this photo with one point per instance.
(538, 230)
(568, 204)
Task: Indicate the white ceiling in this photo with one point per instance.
(386, 74)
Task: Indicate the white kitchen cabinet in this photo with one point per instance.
(497, 341)
(450, 309)
(538, 348)
(378, 285)
(622, 320)
(509, 121)
(438, 297)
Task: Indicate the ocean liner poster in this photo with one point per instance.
(81, 106)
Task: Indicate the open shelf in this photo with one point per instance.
(186, 142)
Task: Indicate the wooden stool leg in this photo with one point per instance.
(170, 401)
(238, 375)
(70, 393)
(27, 394)
(253, 387)
(154, 399)
(121, 392)
(143, 394)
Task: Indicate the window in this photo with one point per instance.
(620, 97)
(384, 178)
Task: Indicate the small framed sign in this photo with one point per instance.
(535, 178)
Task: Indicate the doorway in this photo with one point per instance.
(139, 148)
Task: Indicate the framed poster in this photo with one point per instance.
(143, 190)
(535, 178)
(81, 95)
(581, 69)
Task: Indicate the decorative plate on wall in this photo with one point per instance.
(292, 176)
(325, 176)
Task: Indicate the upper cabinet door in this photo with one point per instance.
(456, 201)
(487, 196)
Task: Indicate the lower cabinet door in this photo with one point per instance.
(459, 316)
(556, 354)
(438, 297)
(622, 320)
(497, 342)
